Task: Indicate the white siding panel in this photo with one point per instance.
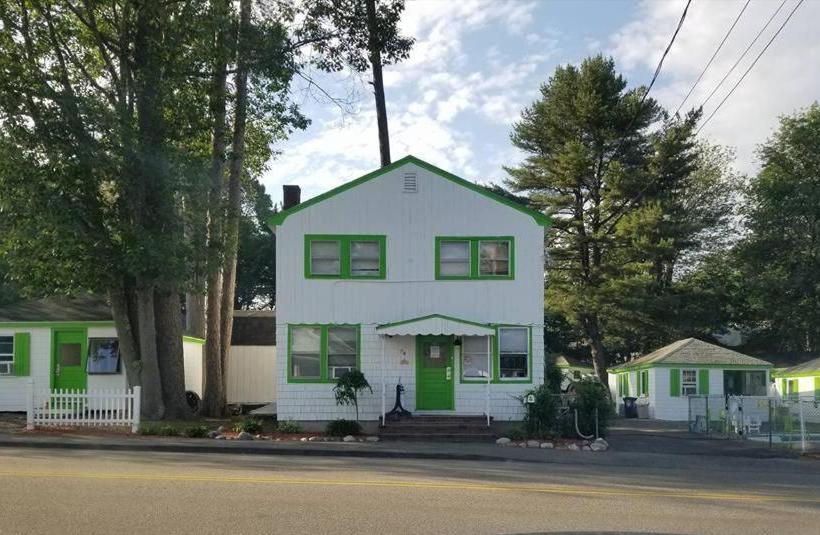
(251, 374)
(193, 363)
(411, 221)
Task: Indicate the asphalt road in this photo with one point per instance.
(56, 491)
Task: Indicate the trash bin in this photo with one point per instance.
(630, 407)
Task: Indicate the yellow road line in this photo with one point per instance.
(548, 489)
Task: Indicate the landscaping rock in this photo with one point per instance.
(221, 429)
(220, 437)
(244, 435)
(547, 445)
(213, 434)
(503, 441)
(573, 446)
(313, 439)
(599, 445)
(372, 439)
(533, 444)
(303, 439)
(349, 438)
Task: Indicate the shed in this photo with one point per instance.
(800, 381)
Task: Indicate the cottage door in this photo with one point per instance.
(434, 373)
(68, 364)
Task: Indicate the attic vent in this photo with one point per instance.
(410, 185)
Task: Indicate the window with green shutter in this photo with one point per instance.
(22, 354)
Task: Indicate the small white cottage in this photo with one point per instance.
(414, 276)
(664, 379)
(63, 343)
(800, 381)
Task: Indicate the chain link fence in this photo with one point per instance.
(790, 422)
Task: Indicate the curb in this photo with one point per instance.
(247, 449)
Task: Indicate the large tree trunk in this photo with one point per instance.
(235, 183)
(153, 407)
(378, 82)
(214, 398)
(170, 353)
(122, 312)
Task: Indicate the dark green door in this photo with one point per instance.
(70, 350)
(434, 373)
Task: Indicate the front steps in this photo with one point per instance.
(434, 428)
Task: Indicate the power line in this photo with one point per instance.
(731, 70)
(728, 33)
(729, 94)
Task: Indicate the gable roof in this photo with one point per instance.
(82, 308)
(279, 217)
(809, 368)
(692, 352)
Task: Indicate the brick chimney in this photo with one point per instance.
(291, 196)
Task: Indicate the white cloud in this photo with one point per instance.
(784, 79)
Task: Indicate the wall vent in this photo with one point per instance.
(410, 185)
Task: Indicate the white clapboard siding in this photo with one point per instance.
(94, 408)
(251, 374)
(193, 363)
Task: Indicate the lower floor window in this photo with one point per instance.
(474, 362)
(513, 352)
(6, 355)
(322, 352)
(689, 382)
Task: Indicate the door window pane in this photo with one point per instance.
(435, 355)
(513, 353)
(70, 354)
(494, 258)
(474, 357)
(325, 257)
(342, 348)
(305, 352)
(364, 258)
(454, 258)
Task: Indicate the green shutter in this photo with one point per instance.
(817, 388)
(783, 388)
(703, 382)
(674, 383)
(22, 353)
(646, 382)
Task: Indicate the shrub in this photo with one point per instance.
(197, 431)
(288, 426)
(248, 424)
(168, 431)
(553, 376)
(348, 387)
(540, 416)
(516, 433)
(148, 429)
(341, 428)
(589, 395)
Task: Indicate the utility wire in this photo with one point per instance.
(729, 94)
(731, 70)
(728, 33)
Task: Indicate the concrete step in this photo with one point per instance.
(432, 429)
(487, 437)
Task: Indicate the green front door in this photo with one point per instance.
(434, 373)
(68, 362)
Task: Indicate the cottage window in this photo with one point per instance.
(6, 355)
(689, 382)
(325, 257)
(342, 349)
(513, 352)
(454, 258)
(103, 356)
(340, 256)
(474, 364)
(643, 383)
(494, 258)
(305, 347)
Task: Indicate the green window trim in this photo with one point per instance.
(475, 250)
(495, 374)
(22, 354)
(323, 351)
(345, 241)
(643, 383)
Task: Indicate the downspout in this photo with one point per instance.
(489, 372)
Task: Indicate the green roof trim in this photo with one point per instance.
(430, 316)
(193, 339)
(279, 217)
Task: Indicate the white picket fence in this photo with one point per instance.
(93, 408)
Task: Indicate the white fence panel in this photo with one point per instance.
(251, 374)
(93, 408)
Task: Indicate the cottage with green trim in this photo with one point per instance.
(63, 343)
(665, 378)
(800, 381)
(572, 370)
(413, 276)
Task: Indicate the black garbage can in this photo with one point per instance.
(630, 407)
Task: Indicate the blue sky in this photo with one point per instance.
(477, 63)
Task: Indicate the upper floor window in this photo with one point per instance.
(338, 256)
(6, 355)
(474, 258)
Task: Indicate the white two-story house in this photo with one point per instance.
(413, 276)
